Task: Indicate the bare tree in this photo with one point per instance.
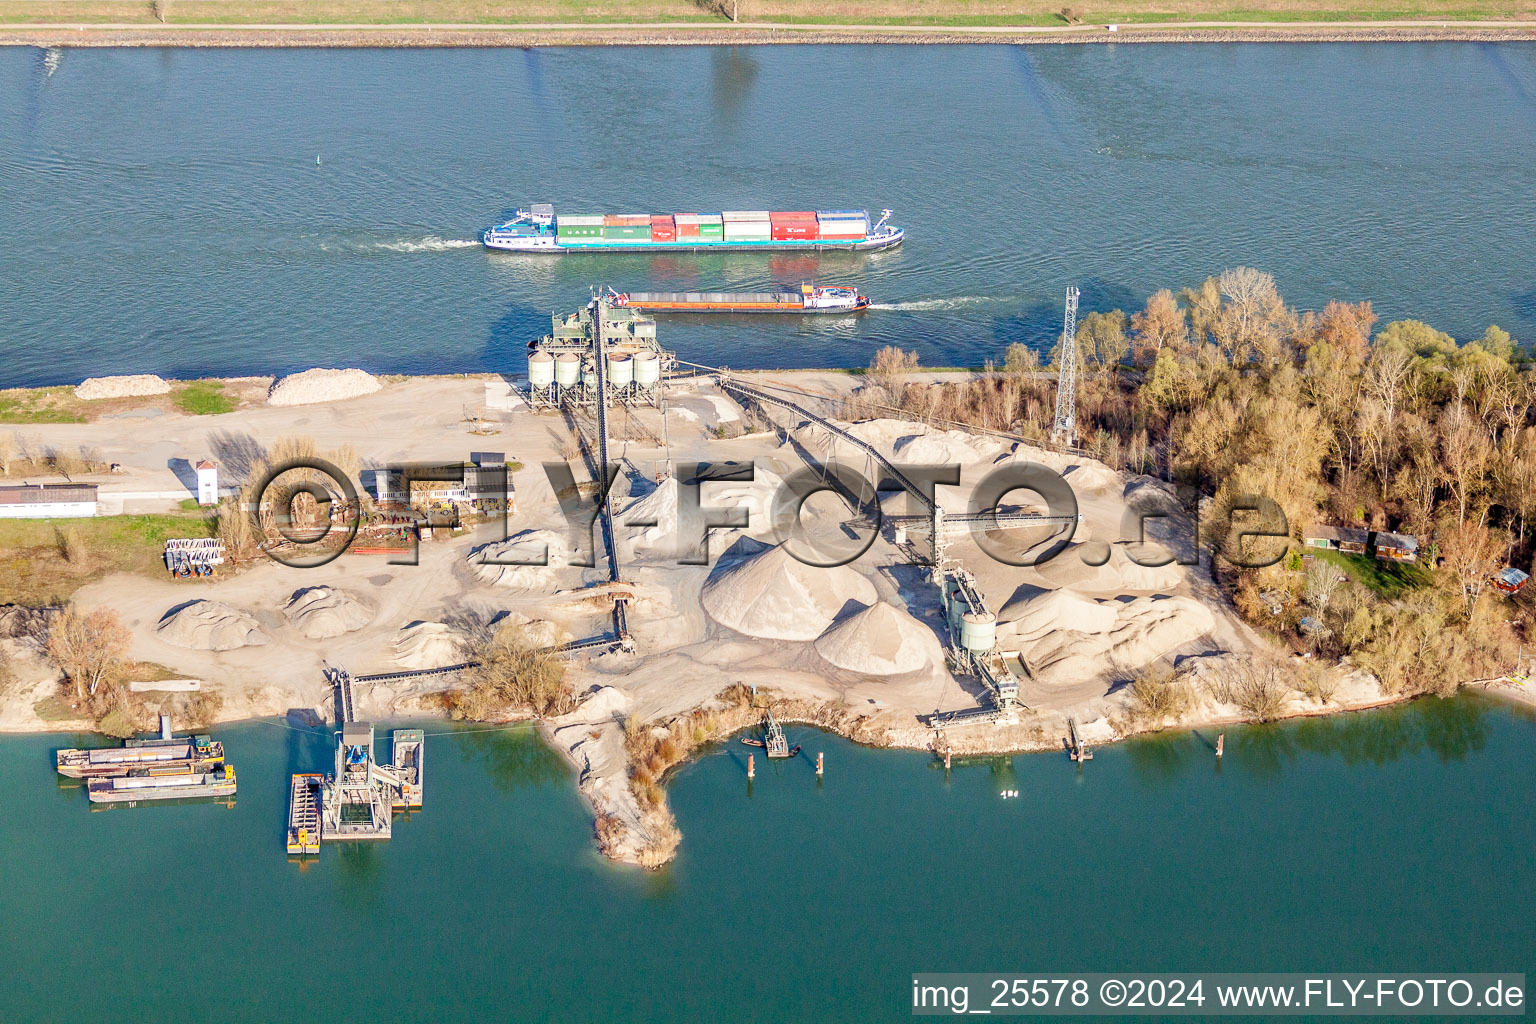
(87, 647)
(1472, 555)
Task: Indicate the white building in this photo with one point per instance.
(48, 501)
(207, 482)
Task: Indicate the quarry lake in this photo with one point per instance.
(192, 212)
(1397, 838)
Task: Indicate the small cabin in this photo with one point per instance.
(1337, 538)
(1510, 581)
(1397, 547)
(48, 501)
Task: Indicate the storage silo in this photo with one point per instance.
(541, 369)
(621, 369)
(647, 369)
(567, 369)
(978, 631)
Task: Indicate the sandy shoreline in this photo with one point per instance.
(716, 34)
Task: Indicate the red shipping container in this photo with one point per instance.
(663, 229)
(792, 215)
(784, 231)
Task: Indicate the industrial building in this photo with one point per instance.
(562, 365)
(48, 501)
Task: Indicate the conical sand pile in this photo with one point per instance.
(321, 612)
(429, 645)
(881, 640)
(774, 596)
(211, 626)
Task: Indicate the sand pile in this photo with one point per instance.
(320, 612)
(428, 645)
(946, 448)
(675, 526)
(211, 626)
(321, 386)
(1084, 474)
(1033, 616)
(881, 640)
(1119, 575)
(527, 546)
(774, 596)
(1144, 629)
(129, 386)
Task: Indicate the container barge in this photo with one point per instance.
(162, 784)
(540, 229)
(807, 298)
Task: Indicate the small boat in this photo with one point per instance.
(749, 741)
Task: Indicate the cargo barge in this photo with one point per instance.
(407, 751)
(162, 784)
(540, 229)
(806, 298)
(164, 751)
(304, 813)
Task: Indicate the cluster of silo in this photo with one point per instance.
(562, 367)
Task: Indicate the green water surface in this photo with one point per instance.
(1397, 840)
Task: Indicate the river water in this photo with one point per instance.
(1399, 839)
(164, 211)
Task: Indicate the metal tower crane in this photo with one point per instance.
(1064, 431)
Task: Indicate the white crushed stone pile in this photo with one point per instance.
(321, 612)
(313, 386)
(1145, 629)
(527, 546)
(945, 448)
(428, 645)
(772, 595)
(1032, 617)
(211, 626)
(881, 640)
(1119, 575)
(131, 385)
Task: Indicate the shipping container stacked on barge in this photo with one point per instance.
(541, 230)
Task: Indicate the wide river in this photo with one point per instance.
(219, 212)
(1393, 840)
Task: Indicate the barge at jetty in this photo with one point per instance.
(162, 784)
(540, 229)
(163, 753)
(807, 298)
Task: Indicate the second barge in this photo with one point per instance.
(156, 784)
(807, 298)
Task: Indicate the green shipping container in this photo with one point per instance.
(711, 232)
(579, 230)
(627, 231)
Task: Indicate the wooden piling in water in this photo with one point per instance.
(751, 767)
(1221, 741)
(818, 762)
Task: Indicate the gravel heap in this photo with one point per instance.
(320, 612)
(773, 595)
(313, 386)
(1032, 617)
(211, 626)
(130, 386)
(429, 645)
(881, 640)
(1120, 575)
(527, 546)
